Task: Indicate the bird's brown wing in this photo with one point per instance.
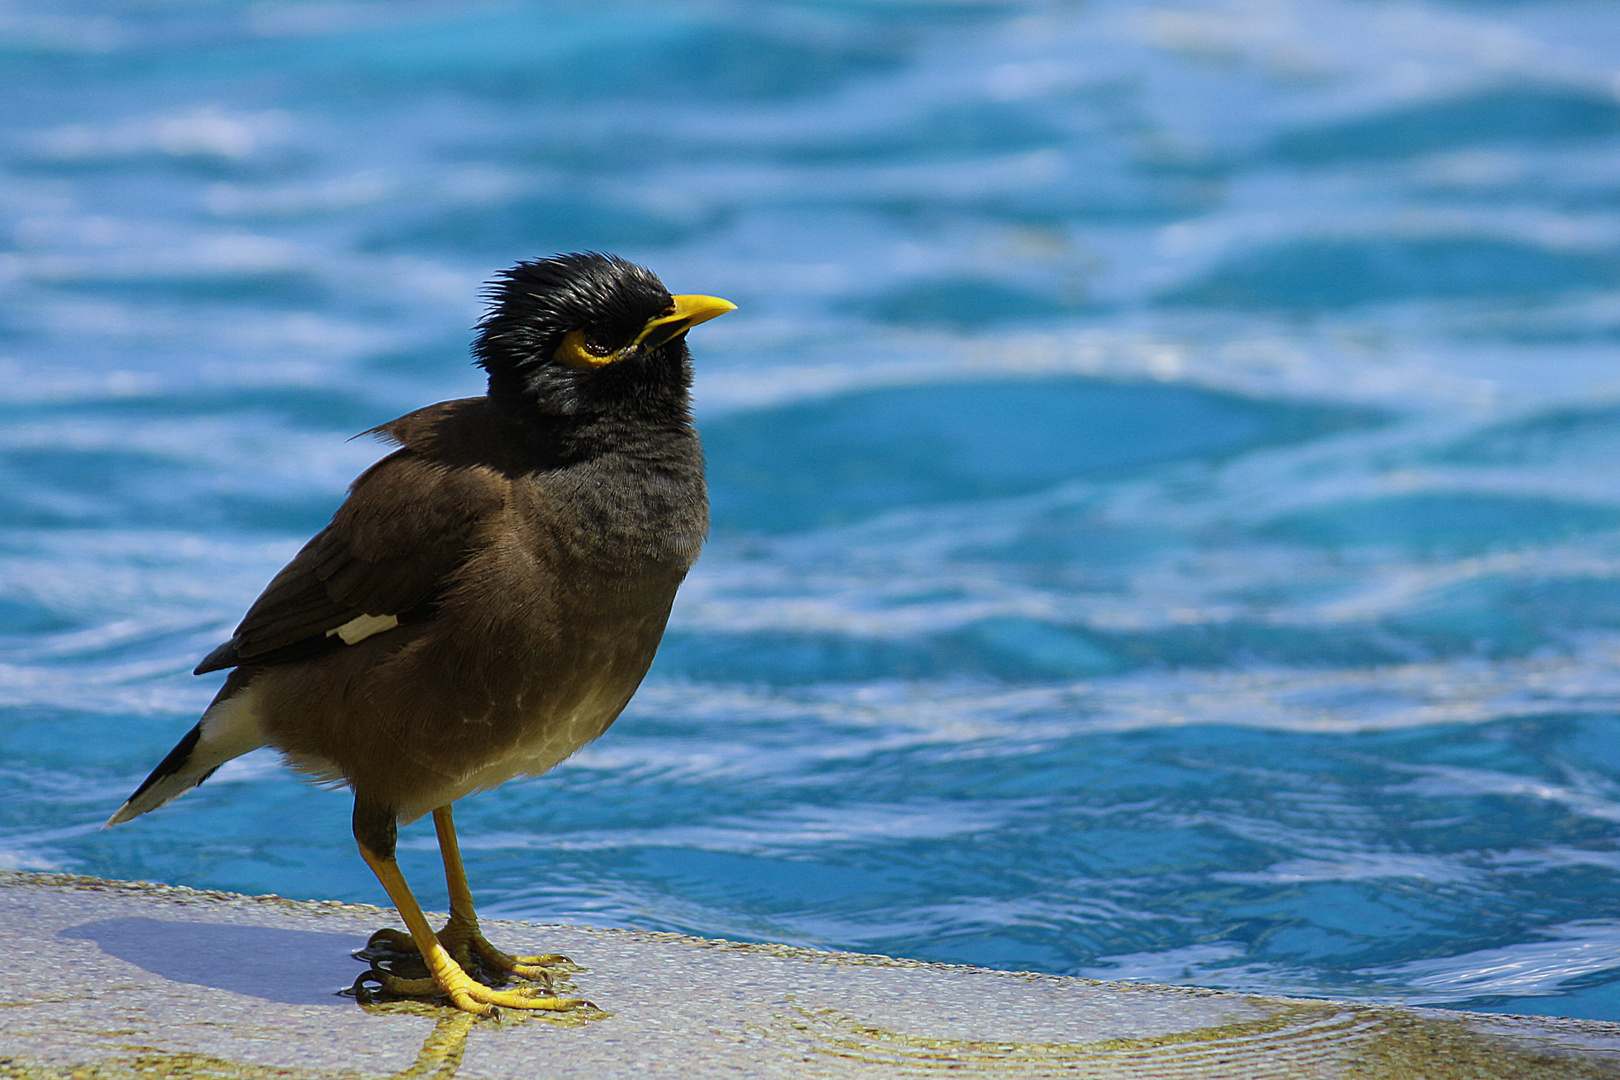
(407, 525)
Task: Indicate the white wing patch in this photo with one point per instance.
(358, 629)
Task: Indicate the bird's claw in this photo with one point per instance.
(386, 944)
(547, 963)
(362, 993)
(475, 997)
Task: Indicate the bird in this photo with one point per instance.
(489, 595)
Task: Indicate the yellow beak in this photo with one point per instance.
(685, 313)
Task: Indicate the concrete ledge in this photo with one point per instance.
(113, 979)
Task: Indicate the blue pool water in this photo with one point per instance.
(1166, 459)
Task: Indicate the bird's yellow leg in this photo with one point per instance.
(461, 935)
(447, 976)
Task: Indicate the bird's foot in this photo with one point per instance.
(465, 992)
(396, 953)
(467, 943)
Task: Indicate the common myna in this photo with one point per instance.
(489, 596)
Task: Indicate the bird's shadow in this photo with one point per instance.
(292, 967)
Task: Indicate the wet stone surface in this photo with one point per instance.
(113, 979)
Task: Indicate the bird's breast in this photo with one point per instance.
(531, 650)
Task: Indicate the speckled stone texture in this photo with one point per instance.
(114, 979)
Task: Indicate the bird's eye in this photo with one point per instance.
(586, 349)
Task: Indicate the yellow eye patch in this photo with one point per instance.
(574, 352)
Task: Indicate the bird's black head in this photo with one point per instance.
(584, 333)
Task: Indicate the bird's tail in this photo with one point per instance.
(230, 728)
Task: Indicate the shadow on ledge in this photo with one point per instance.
(293, 967)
